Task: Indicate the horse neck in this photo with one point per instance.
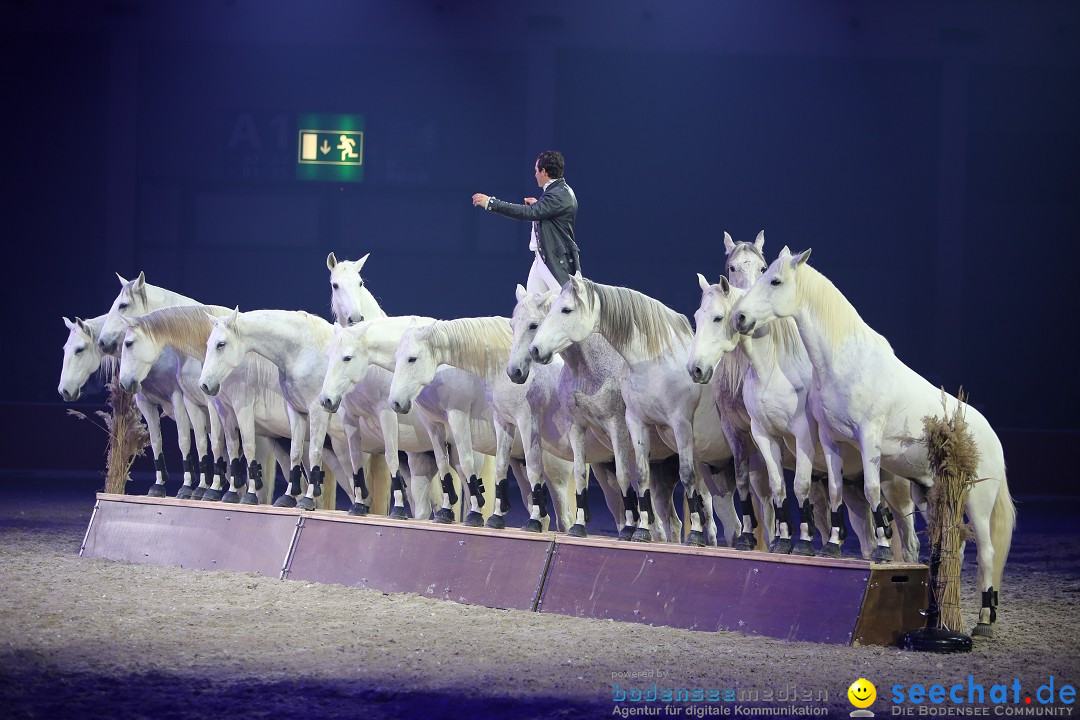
(585, 358)
(278, 335)
(478, 366)
(159, 297)
(370, 307)
(820, 337)
(382, 338)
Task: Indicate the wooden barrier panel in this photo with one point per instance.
(185, 533)
(476, 566)
(783, 596)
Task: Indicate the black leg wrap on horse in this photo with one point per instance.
(807, 513)
(782, 517)
(748, 509)
(630, 502)
(836, 517)
(583, 503)
(539, 500)
(191, 466)
(883, 519)
(359, 483)
(502, 495)
(476, 489)
(159, 465)
(315, 477)
(237, 474)
(208, 469)
(696, 504)
(255, 473)
(448, 488)
(221, 468)
(294, 479)
(990, 600)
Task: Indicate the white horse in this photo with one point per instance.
(866, 397)
(136, 298)
(350, 299)
(479, 347)
(83, 357)
(579, 415)
(296, 342)
(788, 387)
(361, 388)
(654, 341)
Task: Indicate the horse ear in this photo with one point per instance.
(520, 293)
(729, 244)
(361, 261)
(121, 278)
(71, 326)
(139, 281)
(331, 261)
(785, 252)
(213, 318)
(234, 315)
(577, 282)
(702, 282)
(759, 243)
(725, 286)
(801, 258)
(130, 322)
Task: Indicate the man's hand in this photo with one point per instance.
(530, 201)
(480, 200)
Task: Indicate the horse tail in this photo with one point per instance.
(1002, 525)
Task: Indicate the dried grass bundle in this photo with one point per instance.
(953, 458)
(128, 436)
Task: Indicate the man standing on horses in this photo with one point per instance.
(552, 219)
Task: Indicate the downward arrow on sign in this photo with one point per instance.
(325, 147)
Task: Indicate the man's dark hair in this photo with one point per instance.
(552, 161)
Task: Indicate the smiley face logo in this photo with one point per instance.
(862, 693)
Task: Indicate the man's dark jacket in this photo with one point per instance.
(554, 212)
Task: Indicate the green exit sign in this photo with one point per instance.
(330, 147)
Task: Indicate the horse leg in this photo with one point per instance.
(745, 517)
(770, 455)
(692, 484)
(318, 420)
(897, 493)
(358, 491)
(640, 441)
(558, 477)
(153, 426)
(472, 488)
(422, 471)
(183, 439)
(761, 500)
(721, 482)
(626, 462)
(205, 468)
(219, 453)
(663, 477)
(581, 481)
(870, 449)
(237, 465)
(834, 465)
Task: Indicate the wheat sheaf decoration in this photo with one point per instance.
(128, 436)
(954, 460)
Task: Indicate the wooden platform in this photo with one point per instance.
(815, 599)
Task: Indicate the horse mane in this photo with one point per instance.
(184, 328)
(477, 345)
(839, 318)
(628, 316)
(320, 329)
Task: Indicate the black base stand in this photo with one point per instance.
(930, 639)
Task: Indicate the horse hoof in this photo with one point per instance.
(881, 554)
(360, 509)
(211, 495)
(230, 497)
(627, 533)
(781, 546)
(398, 513)
(285, 501)
(495, 522)
(577, 530)
(197, 493)
(696, 538)
(805, 548)
(473, 519)
(745, 541)
(831, 550)
(183, 493)
(249, 499)
(444, 516)
(641, 535)
(306, 503)
(156, 490)
(985, 630)
(533, 525)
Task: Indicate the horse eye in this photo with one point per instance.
(566, 311)
(129, 343)
(221, 345)
(762, 269)
(731, 268)
(718, 318)
(122, 306)
(361, 282)
(333, 285)
(347, 358)
(79, 350)
(776, 281)
(412, 359)
(534, 326)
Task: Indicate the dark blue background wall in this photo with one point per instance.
(927, 152)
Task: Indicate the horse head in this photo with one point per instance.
(131, 302)
(414, 367)
(573, 315)
(745, 261)
(713, 334)
(225, 349)
(529, 312)
(350, 300)
(775, 294)
(82, 357)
